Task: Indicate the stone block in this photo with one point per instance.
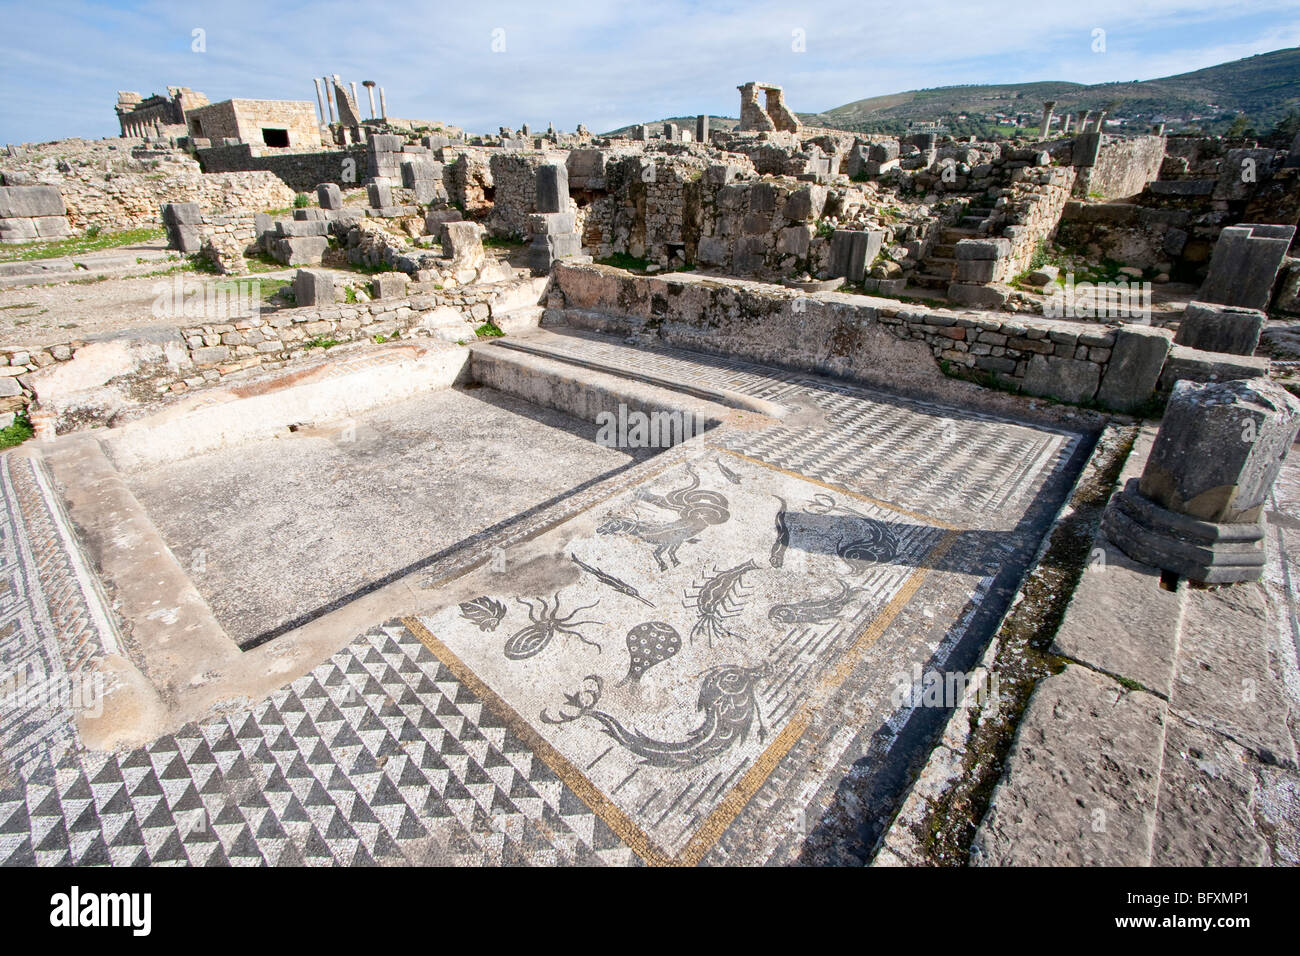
(462, 242)
(719, 174)
(805, 204)
(292, 227)
(1193, 365)
(185, 238)
(551, 223)
(380, 194)
(1245, 264)
(52, 227)
(389, 285)
(1133, 372)
(977, 296)
(1067, 380)
(299, 251)
(329, 196)
(967, 249)
(313, 287)
(181, 214)
(552, 188)
(1086, 749)
(1220, 328)
(976, 270)
(17, 230)
(434, 218)
(30, 202)
(712, 251)
(547, 249)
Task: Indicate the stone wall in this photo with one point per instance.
(302, 172)
(514, 189)
(165, 360)
(880, 341)
(103, 184)
(1123, 167)
(248, 119)
(1034, 201)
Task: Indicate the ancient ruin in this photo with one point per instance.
(705, 492)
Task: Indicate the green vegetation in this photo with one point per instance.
(1255, 93)
(93, 241)
(502, 242)
(301, 201)
(488, 331)
(621, 260)
(17, 433)
(320, 342)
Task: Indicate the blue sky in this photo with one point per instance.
(603, 64)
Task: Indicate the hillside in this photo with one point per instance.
(685, 122)
(1264, 88)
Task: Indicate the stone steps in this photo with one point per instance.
(925, 280)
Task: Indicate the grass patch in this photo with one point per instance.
(17, 433)
(488, 330)
(93, 241)
(502, 242)
(621, 260)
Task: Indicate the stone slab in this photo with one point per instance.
(1068, 380)
(1225, 680)
(1081, 780)
(1133, 372)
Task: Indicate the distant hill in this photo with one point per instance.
(1264, 88)
(685, 122)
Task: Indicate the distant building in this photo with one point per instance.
(146, 116)
(275, 123)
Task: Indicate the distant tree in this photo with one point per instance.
(1284, 131)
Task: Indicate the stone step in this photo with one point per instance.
(929, 281)
(534, 345)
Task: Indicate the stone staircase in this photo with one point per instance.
(939, 267)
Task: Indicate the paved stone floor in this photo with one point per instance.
(359, 500)
(702, 663)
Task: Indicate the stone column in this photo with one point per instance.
(329, 97)
(355, 99)
(383, 105)
(702, 128)
(320, 100)
(1198, 509)
(370, 88)
(1047, 118)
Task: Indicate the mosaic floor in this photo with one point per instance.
(702, 667)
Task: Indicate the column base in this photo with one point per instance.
(1202, 551)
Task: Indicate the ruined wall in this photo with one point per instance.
(514, 189)
(1127, 233)
(871, 340)
(103, 184)
(1035, 200)
(247, 119)
(300, 171)
(1123, 167)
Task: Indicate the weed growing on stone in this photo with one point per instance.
(488, 331)
(17, 433)
(320, 342)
